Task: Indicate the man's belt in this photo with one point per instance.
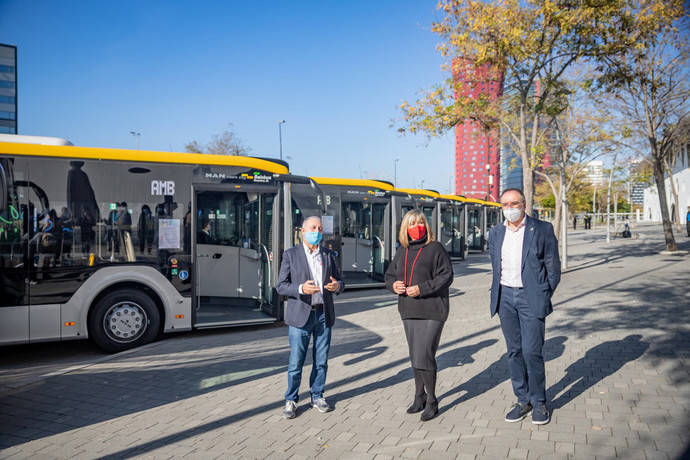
(316, 307)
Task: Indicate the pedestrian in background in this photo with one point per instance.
(687, 217)
(309, 276)
(526, 272)
(421, 274)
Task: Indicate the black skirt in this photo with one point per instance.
(423, 337)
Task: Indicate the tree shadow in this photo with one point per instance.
(598, 363)
(496, 374)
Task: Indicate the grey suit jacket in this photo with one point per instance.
(294, 270)
(541, 265)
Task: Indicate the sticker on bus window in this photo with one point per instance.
(168, 233)
(327, 224)
(184, 274)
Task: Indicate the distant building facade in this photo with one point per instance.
(475, 149)
(8, 89)
(681, 178)
(594, 173)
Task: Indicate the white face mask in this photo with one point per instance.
(512, 214)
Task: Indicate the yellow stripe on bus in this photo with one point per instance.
(145, 156)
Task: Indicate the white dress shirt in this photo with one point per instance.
(511, 255)
(316, 268)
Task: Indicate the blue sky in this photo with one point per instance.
(177, 71)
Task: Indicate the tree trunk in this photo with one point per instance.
(528, 185)
(663, 203)
(674, 194)
(557, 216)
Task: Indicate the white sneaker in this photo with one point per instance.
(290, 410)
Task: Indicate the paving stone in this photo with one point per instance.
(614, 395)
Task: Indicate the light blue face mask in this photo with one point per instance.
(312, 238)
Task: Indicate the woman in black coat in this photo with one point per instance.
(421, 274)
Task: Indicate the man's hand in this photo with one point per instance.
(399, 287)
(310, 287)
(333, 286)
(413, 291)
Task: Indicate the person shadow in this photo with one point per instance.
(598, 363)
(496, 374)
(455, 357)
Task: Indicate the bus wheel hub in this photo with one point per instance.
(125, 322)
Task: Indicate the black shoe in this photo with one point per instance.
(431, 411)
(518, 412)
(541, 415)
(418, 404)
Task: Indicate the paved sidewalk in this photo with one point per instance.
(618, 376)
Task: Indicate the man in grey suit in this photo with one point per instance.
(526, 271)
(309, 276)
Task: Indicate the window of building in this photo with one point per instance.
(6, 69)
(8, 99)
(7, 115)
(6, 84)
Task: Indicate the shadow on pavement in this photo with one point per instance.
(496, 374)
(157, 377)
(598, 363)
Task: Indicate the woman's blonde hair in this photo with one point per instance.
(414, 215)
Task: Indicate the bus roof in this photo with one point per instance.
(418, 191)
(353, 182)
(43, 140)
(454, 198)
(146, 156)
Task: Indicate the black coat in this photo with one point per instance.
(433, 273)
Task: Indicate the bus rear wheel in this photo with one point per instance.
(124, 319)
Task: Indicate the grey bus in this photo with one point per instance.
(120, 245)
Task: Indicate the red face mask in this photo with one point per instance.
(417, 232)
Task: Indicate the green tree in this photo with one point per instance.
(528, 44)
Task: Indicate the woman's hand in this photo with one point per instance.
(399, 287)
(413, 291)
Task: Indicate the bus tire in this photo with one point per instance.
(124, 319)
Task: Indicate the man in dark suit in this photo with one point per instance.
(526, 271)
(309, 276)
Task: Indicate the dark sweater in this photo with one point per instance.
(433, 273)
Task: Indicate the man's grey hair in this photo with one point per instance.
(304, 224)
(522, 195)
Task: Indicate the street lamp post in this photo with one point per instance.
(280, 137)
(422, 186)
(136, 136)
(395, 172)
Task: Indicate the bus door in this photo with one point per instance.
(14, 302)
(235, 240)
(401, 204)
(379, 217)
(474, 228)
(445, 232)
(458, 231)
(356, 240)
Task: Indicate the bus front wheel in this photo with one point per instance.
(124, 319)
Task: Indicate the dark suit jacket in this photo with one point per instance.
(294, 270)
(541, 266)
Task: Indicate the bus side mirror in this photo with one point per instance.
(3, 188)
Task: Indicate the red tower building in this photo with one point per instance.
(475, 149)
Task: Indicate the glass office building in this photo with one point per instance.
(8, 89)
